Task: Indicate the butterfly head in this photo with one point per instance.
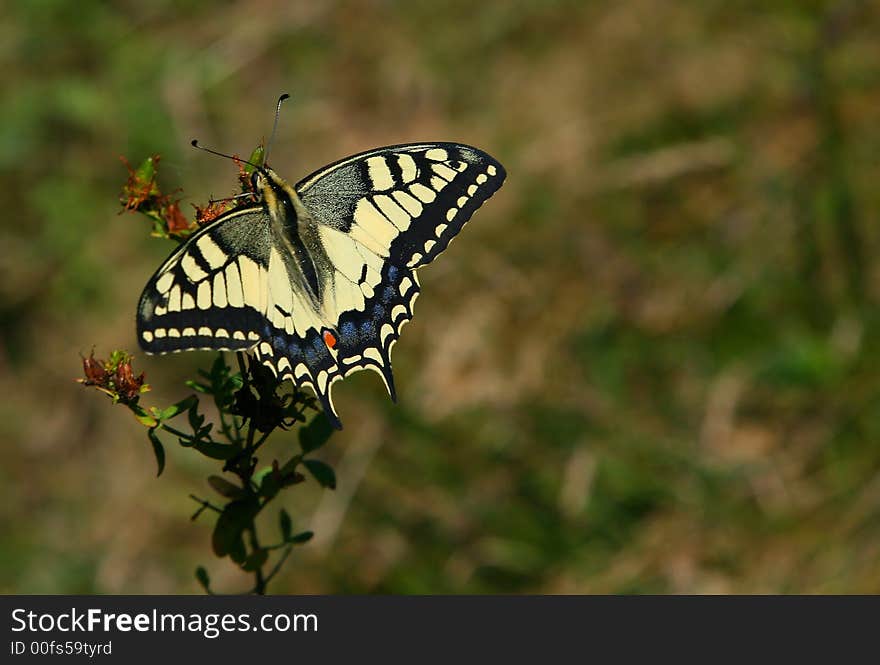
(268, 184)
(258, 179)
(264, 180)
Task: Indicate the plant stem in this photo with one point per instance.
(277, 566)
(242, 366)
(245, 471)
(259, 579)
(203, 505)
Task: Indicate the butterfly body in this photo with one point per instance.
(317, 279)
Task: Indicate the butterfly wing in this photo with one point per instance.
(211, 293)
(404, 202)
(380, 216)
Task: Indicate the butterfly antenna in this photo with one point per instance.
(274, 127)
(195, 144)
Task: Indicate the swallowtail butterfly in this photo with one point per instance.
(317, 280)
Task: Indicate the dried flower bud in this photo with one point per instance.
(141, 193)
(94, 371)
(175, 221)
(141, 184)
(126, 385)
(210, 212)
(114, 377)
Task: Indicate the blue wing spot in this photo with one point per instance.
(388, 294)
(378, 311)
(318, 345)
(311, 356)
(392, 273)
(294, 351)
(348, 329)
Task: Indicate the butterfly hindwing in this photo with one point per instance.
(359, 338)
(211, 292)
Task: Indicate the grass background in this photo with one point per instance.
(649, 364)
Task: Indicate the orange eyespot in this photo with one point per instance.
(329, 339)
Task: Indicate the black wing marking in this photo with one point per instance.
(211, 292)
(382, 215)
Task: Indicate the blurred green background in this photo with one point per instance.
(649, 364)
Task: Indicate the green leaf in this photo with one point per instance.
(315, 434)
(204, 580)
(142, 416)
(256, 158)
(219, 368)
(256, 560)
(286, 524)
(212, 449)
(198, 387)
(158, 450)
(269, 485)
(237, 551)
(146, 171)
(117, 357)
(292, 479)
(261, 473)
(290, 465)
(235, 518)
(180, 407)
(224, 488)
(321, 472)
(195, 420)
(299, 538)
(146, 419)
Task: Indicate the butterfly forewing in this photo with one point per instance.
(211, 292)
(405, 202)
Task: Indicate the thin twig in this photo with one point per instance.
(204, 504)
(242, 366)
(259, 580)
(278, 565)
